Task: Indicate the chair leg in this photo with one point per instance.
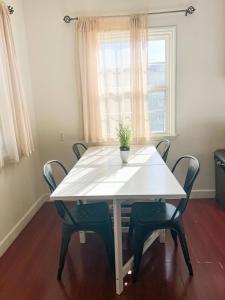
(174, 236)
(183, 242)
(130, 233)
(106, 232)
(138, 249)
(63, 251)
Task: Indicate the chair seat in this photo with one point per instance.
(88, 213)
(153, 212)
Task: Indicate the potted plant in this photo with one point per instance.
(124, 133)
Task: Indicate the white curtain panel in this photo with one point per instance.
(15, 132)
(112, 65)
(87, 40)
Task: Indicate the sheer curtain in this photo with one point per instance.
(87, 39)
(15, 133)
(113, 63)
(139, 63)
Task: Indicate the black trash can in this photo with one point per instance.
(219, 157)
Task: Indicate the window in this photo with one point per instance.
(114, 80)
(15, 131)
(161, 81)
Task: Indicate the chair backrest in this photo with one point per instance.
(76, 149)
(163, 148)
(51, 181)
(192, 173)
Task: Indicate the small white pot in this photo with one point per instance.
(124, 155)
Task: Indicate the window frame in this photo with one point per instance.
(168, 32)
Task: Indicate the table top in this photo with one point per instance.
(99, 174)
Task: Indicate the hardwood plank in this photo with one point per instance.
(28, 268)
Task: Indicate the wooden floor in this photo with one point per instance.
(28, 268)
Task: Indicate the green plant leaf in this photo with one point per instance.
(124, 134)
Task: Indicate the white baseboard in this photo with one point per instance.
(197, 194)
(20, 225)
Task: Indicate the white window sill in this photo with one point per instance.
(153, 139)
(158, 138)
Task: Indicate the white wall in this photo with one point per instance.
(20, 184)
(200, 98)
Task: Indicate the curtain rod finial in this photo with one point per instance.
(67, 19)
(11, 10)
(190, 10)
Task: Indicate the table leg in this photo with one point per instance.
(162, 237)
(82, 237)
(118, 246)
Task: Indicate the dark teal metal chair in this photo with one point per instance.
(76, 149)
(147, 217)
(163, 148)
(84, 217)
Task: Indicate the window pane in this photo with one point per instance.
(157, 100)
(157, 108)
(157, 74)
(156, 51)
(157, 122)
(157, 62)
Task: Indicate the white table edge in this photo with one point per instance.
(121, 197)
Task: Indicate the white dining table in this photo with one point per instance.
(100, 175)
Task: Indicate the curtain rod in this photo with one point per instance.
(11, 10)
(188, 11)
